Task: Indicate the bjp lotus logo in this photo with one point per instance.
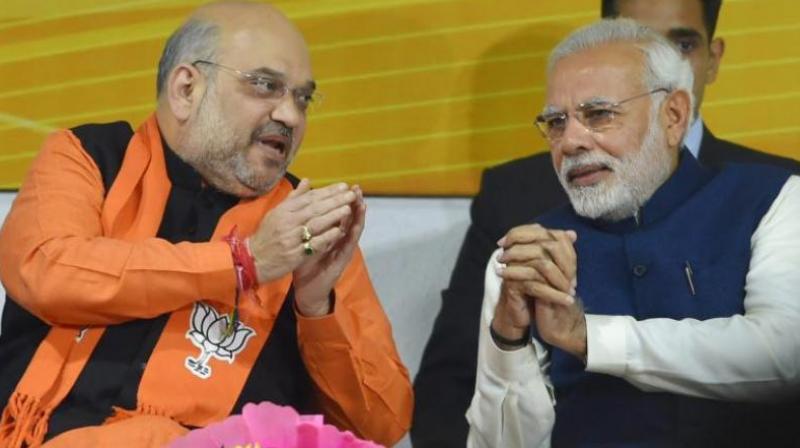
(210, 333)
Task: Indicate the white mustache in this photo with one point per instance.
(585, 159)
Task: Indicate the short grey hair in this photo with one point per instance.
(194, 40)
(664, 67)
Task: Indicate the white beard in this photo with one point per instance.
(632, 181)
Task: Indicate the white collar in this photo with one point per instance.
(694, 136)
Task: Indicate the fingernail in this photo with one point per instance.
(574, 283)
(570, 300)
(573, 235)
(499, 269)
(501, 242)
(572, 292)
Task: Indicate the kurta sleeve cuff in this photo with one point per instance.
(215, 264)
(606, 344)
(512, 366)
(327, 329)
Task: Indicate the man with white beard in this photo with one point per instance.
(660, 308)
(639, 175)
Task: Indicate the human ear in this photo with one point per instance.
(676, 112)
(184, 90)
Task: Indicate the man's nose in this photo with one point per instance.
(576, 138)
(287, 112)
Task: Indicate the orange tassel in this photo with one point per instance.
(23, 423)
(120, 414)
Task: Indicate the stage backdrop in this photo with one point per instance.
(420, 95)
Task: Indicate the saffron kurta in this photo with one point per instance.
(77, 256)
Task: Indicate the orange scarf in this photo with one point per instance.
(195, 373)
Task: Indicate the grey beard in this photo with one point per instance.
(223, 162)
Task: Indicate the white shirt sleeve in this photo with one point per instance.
(750, 357)
(513, 401)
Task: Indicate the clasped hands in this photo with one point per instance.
(313, 234)
(538, 271)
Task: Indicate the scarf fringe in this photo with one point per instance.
(23, 423)
(119, 414)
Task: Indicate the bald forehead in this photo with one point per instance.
(255, 36)
(233, 12)
(233, 17)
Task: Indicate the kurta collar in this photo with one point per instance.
(688, 177)
(180, 173)
(183, 175)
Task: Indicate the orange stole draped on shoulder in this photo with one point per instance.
(132, 212)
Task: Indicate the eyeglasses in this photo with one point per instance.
(272, 88)
(596, 116)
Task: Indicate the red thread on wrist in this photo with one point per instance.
(243, 262)
(249, 264)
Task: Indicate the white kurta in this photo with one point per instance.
(750, 357)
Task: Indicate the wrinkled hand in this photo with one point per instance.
(315, 279)
(562, 326)
(277, 245)
(543, 259)
(513, 313)
(539, 283)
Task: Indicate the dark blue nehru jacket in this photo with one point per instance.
(699, 217)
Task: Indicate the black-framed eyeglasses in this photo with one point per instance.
(270, 87)
(596, 116)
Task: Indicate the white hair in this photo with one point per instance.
(664, 65)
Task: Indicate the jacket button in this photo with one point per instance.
(639, 270)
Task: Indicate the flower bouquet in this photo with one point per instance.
(267, 425)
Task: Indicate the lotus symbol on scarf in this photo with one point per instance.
(208, 333)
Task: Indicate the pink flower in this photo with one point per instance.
(268, 425)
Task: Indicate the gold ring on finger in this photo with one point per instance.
(308, 249)
(306, 234)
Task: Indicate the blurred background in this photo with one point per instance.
(420, 95)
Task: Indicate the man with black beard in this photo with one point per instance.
(659, 308)
(161, 279)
